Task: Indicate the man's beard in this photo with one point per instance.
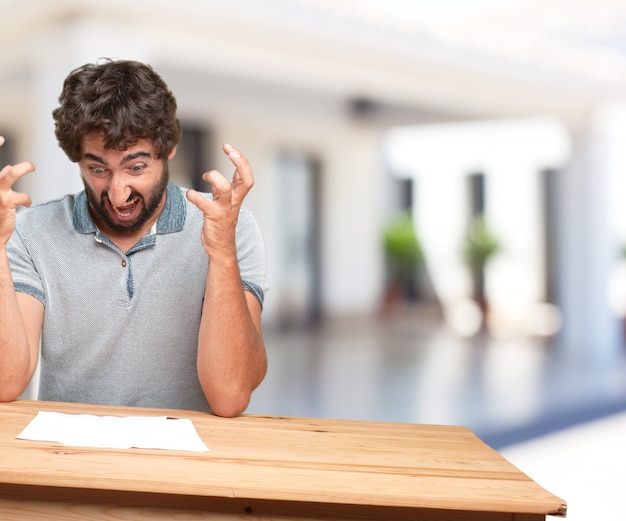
(150, 206)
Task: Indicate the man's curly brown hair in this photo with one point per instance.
(124, 100)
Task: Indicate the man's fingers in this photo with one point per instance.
(197, 199)
(219, 184)
(8, 175)
(220, 187)
(224, 191)
(18, 170)
(243, 174)
(11, 173)
(21, 199)
(231, 151)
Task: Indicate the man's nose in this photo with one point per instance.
(119, 191)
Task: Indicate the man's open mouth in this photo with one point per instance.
(127, 211)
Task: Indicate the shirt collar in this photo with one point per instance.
(172, 218)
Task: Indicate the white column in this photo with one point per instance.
(585, 248)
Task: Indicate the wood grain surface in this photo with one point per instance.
(266, 468)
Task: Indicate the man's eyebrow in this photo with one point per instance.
(135, 155)
(94, 157)
(125, 159)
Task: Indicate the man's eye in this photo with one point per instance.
(98, 171)
(137, 168)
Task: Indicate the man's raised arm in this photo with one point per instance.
(21, 316)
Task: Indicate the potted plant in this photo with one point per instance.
(481, 244)
(404, 256)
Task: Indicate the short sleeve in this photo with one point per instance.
(251, 254)
(25, 276)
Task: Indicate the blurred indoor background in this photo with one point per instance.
(441, 187)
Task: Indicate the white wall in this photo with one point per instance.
(511, 155)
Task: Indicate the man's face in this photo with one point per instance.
(125, 188)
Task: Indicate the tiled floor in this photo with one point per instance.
(407, 367)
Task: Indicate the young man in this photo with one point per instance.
(141, 293)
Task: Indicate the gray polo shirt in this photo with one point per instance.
(122, 328)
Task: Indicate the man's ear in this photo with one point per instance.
(172, 153)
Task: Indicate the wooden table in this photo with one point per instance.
(266, 468)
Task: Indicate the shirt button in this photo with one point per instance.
(123, 264)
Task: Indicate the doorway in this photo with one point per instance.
(300, 274)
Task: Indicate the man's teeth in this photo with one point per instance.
(125, 210)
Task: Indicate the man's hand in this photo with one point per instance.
(10, 200)
(221, 214)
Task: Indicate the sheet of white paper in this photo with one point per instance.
(86, 430)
